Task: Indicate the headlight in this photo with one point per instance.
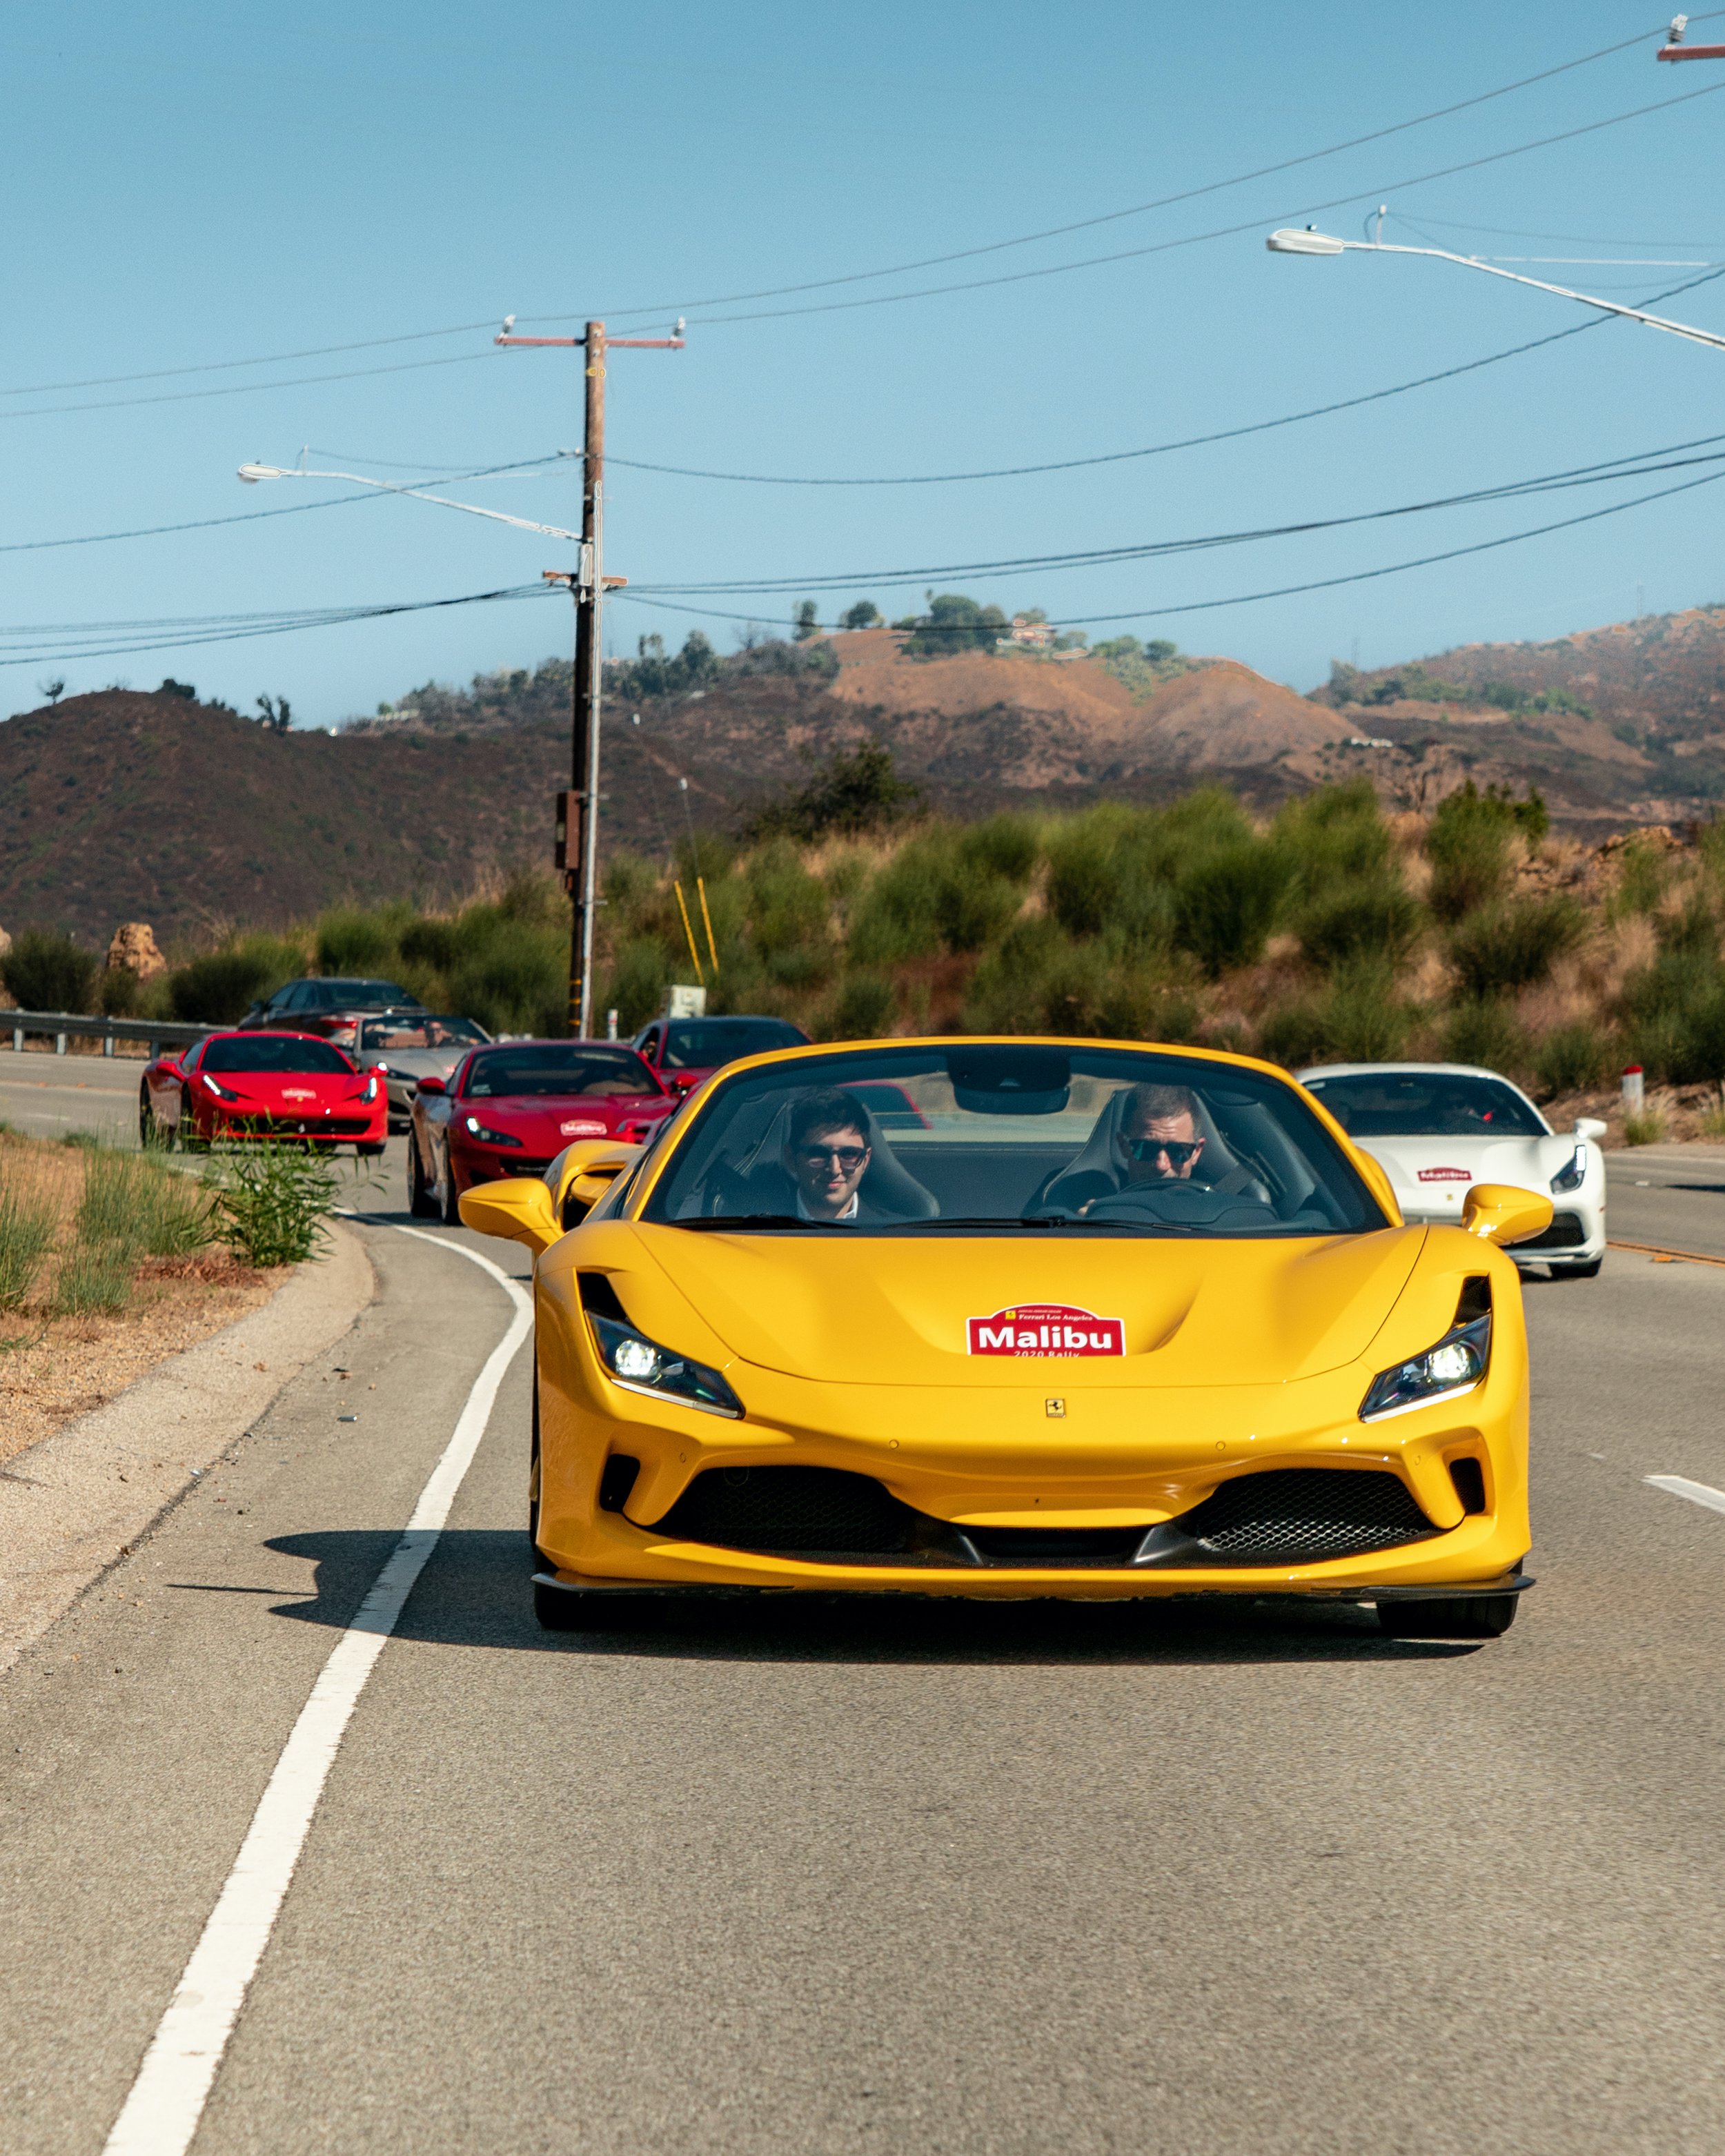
(368, 1091)
(221, 1092)
(1456, 1365)
(639, 1365)
(476, 1129)
(1574, 1172)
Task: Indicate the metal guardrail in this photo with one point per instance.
(66, 1026)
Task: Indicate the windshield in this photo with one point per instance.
(258, 1051)
(1435, 1104)
(403, 1033)
(355, 995)
(703, 1043)
(991, 1138)
(560, 1071)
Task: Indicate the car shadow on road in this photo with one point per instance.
(475, 1593)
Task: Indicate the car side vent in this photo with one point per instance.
(1476, 1299)
(1469, 1478)
(599, 1297)
(617, 1480)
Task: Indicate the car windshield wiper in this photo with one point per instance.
(751, 1220)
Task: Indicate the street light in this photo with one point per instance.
(1307, 241)
(251, 474)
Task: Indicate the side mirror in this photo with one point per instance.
(582, 1173)
(519, 1210)
(1501, 1213)
(1590, 1126)
(431, 1084)
(257, 1006)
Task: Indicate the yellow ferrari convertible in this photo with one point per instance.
(1019, 1318)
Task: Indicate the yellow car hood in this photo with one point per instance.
(897, 1310)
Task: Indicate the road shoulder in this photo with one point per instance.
(72, 1504)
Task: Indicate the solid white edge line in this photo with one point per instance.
(161, 2112)
(1697, 1493)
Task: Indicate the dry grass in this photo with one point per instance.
(54, 1367)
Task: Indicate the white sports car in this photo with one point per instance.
(1436, 1128)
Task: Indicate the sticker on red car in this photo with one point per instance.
(1046, 1328)
(581, 1127)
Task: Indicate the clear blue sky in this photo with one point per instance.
(196, 184)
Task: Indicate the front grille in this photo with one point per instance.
(1301, 1515)
(795, 1512)
(1565, 1233)
(1285, 1515)
(304, 1126)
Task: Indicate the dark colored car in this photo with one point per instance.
(330, 1006)
(279, 1085)
(512, 1106)
(686, 1051)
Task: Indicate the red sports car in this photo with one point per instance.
(510, 1108)
(686, 1051)
(276, 1086)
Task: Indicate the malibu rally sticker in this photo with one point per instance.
(1446, 1175)
(1046, 1328)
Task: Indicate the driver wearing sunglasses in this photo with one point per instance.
(1162, 1139)
(826, 1154)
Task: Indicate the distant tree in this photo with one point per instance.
(655, 672)
(277, 713)
(856, 791)
(54, 690)
(865, 614)
(806, 623)
(182, 688)
(954, 623)
(44, 971)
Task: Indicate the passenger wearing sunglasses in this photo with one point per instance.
(826, 1155)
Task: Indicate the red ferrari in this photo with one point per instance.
(509, 1109)
(281, 1085)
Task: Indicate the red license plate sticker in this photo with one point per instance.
(1046, 1328)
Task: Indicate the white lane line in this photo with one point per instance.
(1697, 1493)
(167, 2101)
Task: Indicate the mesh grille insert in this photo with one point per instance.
(800, 1511)
(1299, 1514)
(1565, 1233)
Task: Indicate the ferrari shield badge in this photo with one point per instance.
(1046, 1328)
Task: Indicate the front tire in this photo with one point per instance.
(452, 1197)
(149, 1132)
(1590, 1270)
(422, 1199)
(1460, 1617)
(569, 1610)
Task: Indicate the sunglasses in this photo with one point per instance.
(848, 1157)
(1178, 1151)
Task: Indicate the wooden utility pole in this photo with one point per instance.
(589, 583)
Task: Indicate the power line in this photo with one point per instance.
(255, 516)
(236, 628)
(1636, 465)
(1199, 238)
(1285, 591)
(252, 388)
(902, 268)
(1164, 449)
(1163, 201)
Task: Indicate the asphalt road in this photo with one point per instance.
(807, 1879)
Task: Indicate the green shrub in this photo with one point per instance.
(901, 913)
(1501, 947)
(1693, 932)
(536, 897)
(144, 1209)
(856, 790)
(1643, 876)
(26, 1236)
(787, 908)
(94, 1280)
(272, 1202)
(352, 942)
(1364, 917)
(1572, 1058)
(47, 972)
(640, 973)
(1359, 1019)
(1004, 846)
(1006, 990)
(1472, 842)
(1484, 1030)
(117, 991)
(863, 1010)
(430, 942)
(1334, 832)
(218, 988)
(1225, 906)
(1647, 1128)
(508, 974)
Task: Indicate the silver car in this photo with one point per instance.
(408, 1045)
